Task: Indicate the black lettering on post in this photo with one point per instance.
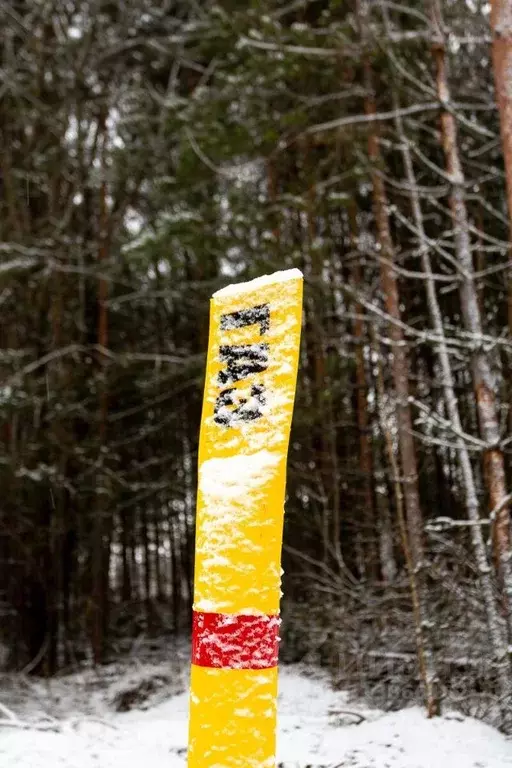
(229, 410)
(259, 315)
(241, 361)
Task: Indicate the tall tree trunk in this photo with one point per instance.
(148, 567)
(399, 492)
(157, 564)
(148, 572)
(99, 561)
(386, 529)
(400, 369)
(331, 535)
(189, 515)
(273, 191)
(126, 584)
(501, 24)
(363, 425)
(483, 380)
(176, 570)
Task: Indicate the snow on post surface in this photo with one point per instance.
(248, 401)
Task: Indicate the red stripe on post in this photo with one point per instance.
(237, 641)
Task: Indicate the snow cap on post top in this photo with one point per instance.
(259, 282)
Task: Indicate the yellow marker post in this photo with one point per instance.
(251, 373)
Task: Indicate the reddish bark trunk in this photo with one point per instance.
(501, 24)
(400, 363)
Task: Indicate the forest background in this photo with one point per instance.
(152, 152)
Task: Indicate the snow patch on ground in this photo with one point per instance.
(317, 727)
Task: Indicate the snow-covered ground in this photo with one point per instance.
(317, 727)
